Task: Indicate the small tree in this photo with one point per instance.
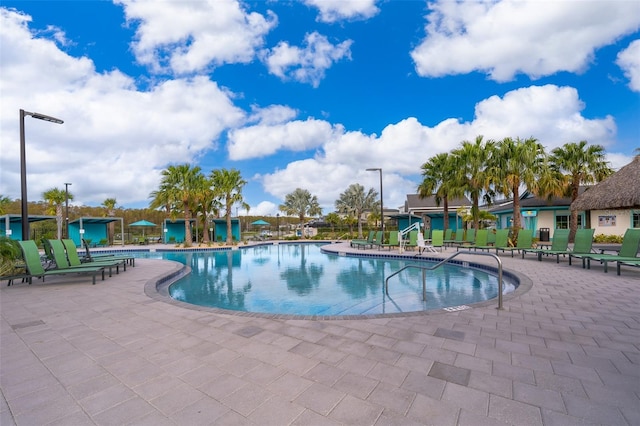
(56, 199)
(301, 203)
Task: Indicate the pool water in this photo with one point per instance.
(300, 279)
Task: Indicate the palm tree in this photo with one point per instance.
(4, 203)
(301, 203)
(56, 199)
(514, 163)
(472, 174)
(581, 164)
(354, 201)
(439, 181)
(333, 219)
(110, 205)
(178, 187)
(228, 185)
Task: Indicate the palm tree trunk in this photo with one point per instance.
(573, 218)
(187, 227)
(516, 213)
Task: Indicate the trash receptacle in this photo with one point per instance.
(544, 234)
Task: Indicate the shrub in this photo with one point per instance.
(607, 239)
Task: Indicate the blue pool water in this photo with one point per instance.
(300, 279)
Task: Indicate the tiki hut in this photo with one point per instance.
(621, 190)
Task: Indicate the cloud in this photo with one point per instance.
(549, 113)
(629, 61)
(115, 138)
(307, 64)
(337, 10)
(505, 38)
(186, 37)
(264, 139)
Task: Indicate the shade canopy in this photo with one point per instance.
(142, 223)
(620, 190)
(260, 223)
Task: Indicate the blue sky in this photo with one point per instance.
(303, 93)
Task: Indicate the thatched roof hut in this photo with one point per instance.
(619, 191)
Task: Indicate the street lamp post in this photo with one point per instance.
(381, 206)
(66, 206)
(23, 167)
(277, 226)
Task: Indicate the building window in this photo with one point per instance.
(562, 221)
(635, 220)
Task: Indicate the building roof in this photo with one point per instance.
(620, 190)
(415, 202)
(528, 201)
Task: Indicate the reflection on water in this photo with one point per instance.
(300, 279)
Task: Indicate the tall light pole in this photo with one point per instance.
(66, 206)
(277, 226)
(23, 167)
(381, 206)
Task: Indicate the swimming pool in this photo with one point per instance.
(300, 279)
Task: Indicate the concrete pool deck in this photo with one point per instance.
(565, 352)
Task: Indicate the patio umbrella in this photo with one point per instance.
(261, 223)
(143, 224)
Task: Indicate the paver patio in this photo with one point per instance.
(565, 352)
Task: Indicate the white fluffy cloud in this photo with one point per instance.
(550, 113)
(629, 61)
(263, 139)
(337, 10)
(504, 38)
(189, 36)
(115, 138)
(309, 63)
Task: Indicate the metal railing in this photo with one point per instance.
(439, 264)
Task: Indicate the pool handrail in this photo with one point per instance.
(439, 264)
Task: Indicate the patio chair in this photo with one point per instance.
(481, 241)
(437, 239)
(458, 238)
(90, 257)
(559, 246)
(469, 238)
(525, 241)
(502, 239)
(448, 236)
(635, 263)
(74, 259)
(62, 262)
(628, 251)
(422, 245)
(393, 241)
(364, 243)
(35, 269)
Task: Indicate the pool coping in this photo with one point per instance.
(158, 287)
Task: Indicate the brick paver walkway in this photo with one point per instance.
(565, 352)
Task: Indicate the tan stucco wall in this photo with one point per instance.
(622, 222)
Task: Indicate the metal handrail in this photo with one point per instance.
(437, 265)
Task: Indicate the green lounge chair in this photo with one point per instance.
(628, 251)
(583, 243)
(502, 239)
(559, 246)
(458, 238)
(413, 239)
(393, 241)
(525, 240)
(62, 262)
(74, 259)
(448, 236)
(90, 257)
(364, 243)
(31, 257)
(481, 241)
(437, 239)
(635, 263)
(469, 238)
